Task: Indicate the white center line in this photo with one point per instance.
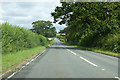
(82, 58)
(26, 65)
(103, 69)
(88, 61)
(32, 60)
(23, 67)
(72, 52)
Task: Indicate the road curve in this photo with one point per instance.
(62, 61)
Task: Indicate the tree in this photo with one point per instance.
(44, 28)
(84, 18)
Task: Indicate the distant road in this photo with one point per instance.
(62, 61)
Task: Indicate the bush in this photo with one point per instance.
(88, 39)
(15, 38)
(111, 42)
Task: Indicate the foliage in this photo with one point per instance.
(89, 24)
(44, 28)
(61, 38)
(15, 38)
(111, 42)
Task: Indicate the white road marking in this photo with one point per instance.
(23, 67)
(12, 75)
(117, 78)
(83, 58)
(27, 63)
(103, 69)
(88, 61)
(35, 58)
(72, 52)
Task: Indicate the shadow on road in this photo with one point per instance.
(65, 48)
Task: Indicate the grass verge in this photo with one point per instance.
(97, 50)
(13, 59)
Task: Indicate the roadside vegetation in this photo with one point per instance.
(19, 44)
(15, 58)
(92, 26)
(61, 38)
(44, 28)
(15, 39)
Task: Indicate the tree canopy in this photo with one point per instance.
(88, 19)
(44, 28)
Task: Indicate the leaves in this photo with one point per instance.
(88, 22)
(44, 28)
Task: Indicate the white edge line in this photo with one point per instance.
(12, 75)
(24, 66)
(27, 63)
(103, 69)
(43, 51)
(32, 60)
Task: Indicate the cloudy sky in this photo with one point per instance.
(24, 13)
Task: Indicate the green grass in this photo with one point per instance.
(13, 59)
(107, 52)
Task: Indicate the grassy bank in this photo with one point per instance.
(104, 49)
(13, 59)
(107, 52)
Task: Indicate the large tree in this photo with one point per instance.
(85, 17)
(44, 28)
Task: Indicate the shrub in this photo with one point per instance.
(88, 39)
(111, 42)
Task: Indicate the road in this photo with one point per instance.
(62, 61)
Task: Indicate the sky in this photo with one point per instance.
(23, 13)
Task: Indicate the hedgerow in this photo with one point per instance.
(15, 38)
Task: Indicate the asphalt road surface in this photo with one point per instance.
(62, 61)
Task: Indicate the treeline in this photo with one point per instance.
(91, 24)
(15, 38)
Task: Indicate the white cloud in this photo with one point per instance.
(24, 13)
(29, 1)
